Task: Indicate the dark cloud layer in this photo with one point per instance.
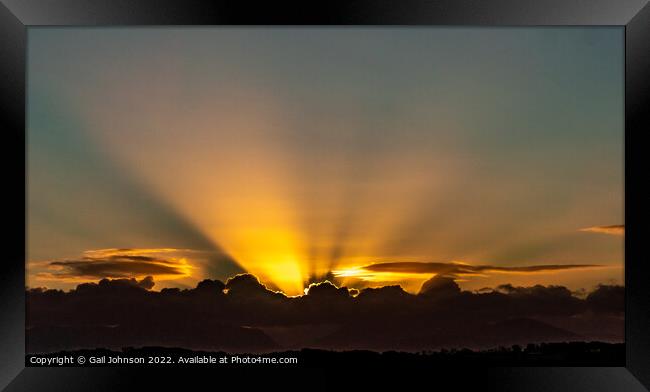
(243, 314)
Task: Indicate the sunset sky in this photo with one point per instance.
(378, 155)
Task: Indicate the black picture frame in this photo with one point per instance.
(16, 16)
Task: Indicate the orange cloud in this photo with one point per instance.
(118, 263)
(411, 274)
(613, 229)
(453, 268)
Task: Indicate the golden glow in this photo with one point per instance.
(270, 254)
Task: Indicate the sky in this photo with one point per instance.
(371, 156)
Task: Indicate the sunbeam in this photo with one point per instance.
(300, 156)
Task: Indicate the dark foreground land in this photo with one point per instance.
(544, 354)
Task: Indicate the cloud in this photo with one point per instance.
(613, 229)
(451, 269)
(117, 263)
(147, 283)
(440, 287)
(210, 286)
(326, 289)
(116, 268)
(555, 293)
(176, 266)
(607, 299)
(248, 286)
(233, 315)
(99, 253)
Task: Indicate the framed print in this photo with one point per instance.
(438, 187)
